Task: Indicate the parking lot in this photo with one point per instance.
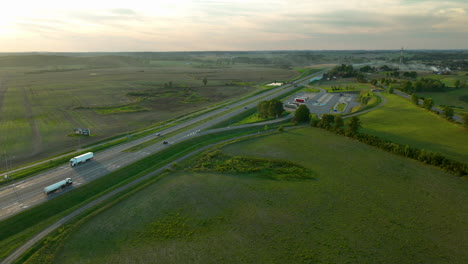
(325, 103)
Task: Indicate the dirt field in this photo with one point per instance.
(40, 106)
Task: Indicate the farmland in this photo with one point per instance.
(44, 97)
(402, 122)
(362, 205)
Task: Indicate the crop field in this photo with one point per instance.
(41, 104)
(362, 205)
(402, 122)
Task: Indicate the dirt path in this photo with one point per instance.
(36, 139)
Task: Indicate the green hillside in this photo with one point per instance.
(363, 205)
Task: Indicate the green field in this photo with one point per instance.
(448, 80)
(43, 98)
(402, 122)
(363, 205)
(345, 85)
(450, 98)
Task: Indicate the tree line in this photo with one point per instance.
(335, 123)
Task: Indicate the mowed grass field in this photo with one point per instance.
(402, 122)
(347, 84)
(363, 206)
(41, 105)
(450, 98)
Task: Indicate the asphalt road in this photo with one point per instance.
(24, 194)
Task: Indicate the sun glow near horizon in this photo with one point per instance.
(142, 25)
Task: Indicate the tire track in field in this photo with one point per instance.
(3, 90)
(36, 139)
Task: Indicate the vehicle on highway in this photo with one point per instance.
(58, 185)
(81, 158)
(165, 142)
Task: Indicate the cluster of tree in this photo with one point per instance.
(428, 103)
(423, 85)
(367, 68)
(341, 71)
(335, 123)
(371, 69)
(460, 84)
(387, 81)
(270, 108)
(448, 112)
(411, 74)
(361, 78)
(394, 73)
(302, 114)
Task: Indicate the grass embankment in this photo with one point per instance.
(309, 89)
(340, 107)
(19, 228)
(368, 100)
(453, 98)
(402, 122)
(364, 206)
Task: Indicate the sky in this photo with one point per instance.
(209, 25)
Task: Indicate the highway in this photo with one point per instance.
(27, 193)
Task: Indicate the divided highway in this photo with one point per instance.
(24, 194)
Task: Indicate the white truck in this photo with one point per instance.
(81, 158)
(59, 185)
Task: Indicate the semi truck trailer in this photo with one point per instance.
(59, 185)
(81, 158)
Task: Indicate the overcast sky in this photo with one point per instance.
(183, 25)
